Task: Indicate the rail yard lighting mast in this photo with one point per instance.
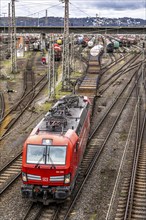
(65, 59)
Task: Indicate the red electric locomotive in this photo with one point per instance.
(53, 151)
(57, 52)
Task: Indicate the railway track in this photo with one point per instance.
(137, 206)
(10, 172)
(28, 83)
(92, 154)
(39, 88)
(132, 199)
(38, 211)
(2, 106)
(4, 51)
(93, 151)
(88, 84)
(30, 91)
(29, 79)
(116, 75)
(62, 213)
(132, 59)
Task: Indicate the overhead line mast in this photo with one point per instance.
(51, 72)
(13, 39)
(65, 59)
(9, 29)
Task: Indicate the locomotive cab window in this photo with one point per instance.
(35, 154)
(41, 154)
(56, 155)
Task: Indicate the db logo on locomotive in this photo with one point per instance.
(45, 179)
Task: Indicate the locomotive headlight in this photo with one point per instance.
(24, 177)
(67, 178)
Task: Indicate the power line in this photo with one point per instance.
(44, 9)
(80, 9)
(92, 4)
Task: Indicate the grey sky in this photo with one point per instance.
(79, 8)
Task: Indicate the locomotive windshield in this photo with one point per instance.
(41, 154)
(56, 155)
(36, 153)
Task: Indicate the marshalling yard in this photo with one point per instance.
(110, 69)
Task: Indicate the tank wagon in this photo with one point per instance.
(93, 73)
(125, 41)
(117, 39)
(91, 42)
(115, 43)
(85, 42)
(89, 84)
(53, 151)
(36, 46)
(109, 46)
(129, 41)
(80, 39)
(95, 58)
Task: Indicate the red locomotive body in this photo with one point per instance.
(44, 60)
(53, 151)
(57, 52)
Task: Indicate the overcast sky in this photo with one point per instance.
(78, 8)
